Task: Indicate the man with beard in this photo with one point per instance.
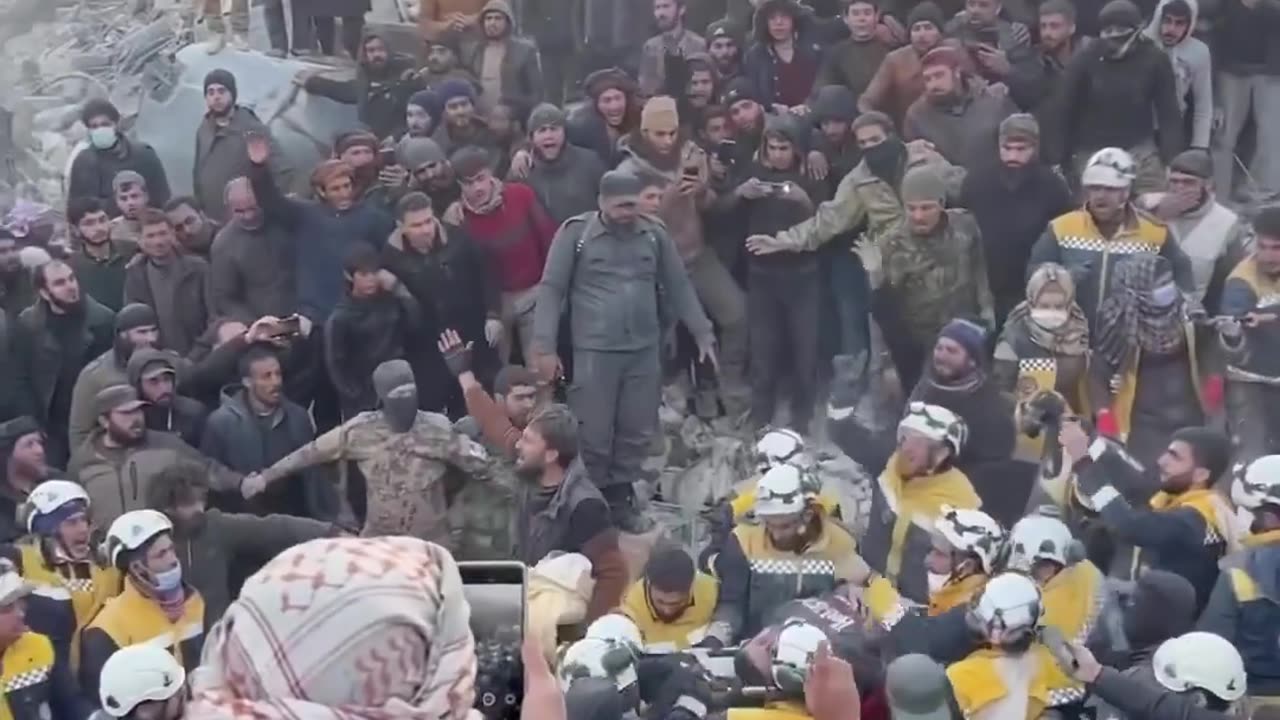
(429, 172)
(1000, 48)
(460, 124)
(1059, 45)
(372, 182)
(610, 112)
(154, 374)
(960, 121)
(746, 116)
(16, 292)
(562, 510)
(1172, 25)
(53, 341)
(443, 65)
(661, 150)
(563, 175)
(515, 395)
(608, 266)
(172, 283)
(1212, 236)
(25, 466)
(380, 90)
(852, 62)
(673, 40)
(1188, 527)
(194, 231)
(722, 47)
(94, 169)
(700, 92)
(898, 82)
(251, 265)
(403, 453)
(221, 146)
(506, 65)
(672, 604)
(135, 328)
(420, 116)
(1013, 200)
(1117, 96)
(121, 456)
(132, 198)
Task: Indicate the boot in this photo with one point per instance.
(217, 35)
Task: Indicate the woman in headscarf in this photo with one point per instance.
(1145, 366)
(343, 629)
(1043, 348)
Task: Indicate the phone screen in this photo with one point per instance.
(291, 325)
(496, 592)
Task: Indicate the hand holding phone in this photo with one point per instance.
(496, 592)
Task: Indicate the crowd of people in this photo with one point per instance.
(1045, 224)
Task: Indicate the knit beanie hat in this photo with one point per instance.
(454, 88)
(923, 183)
(390, 375)
(607, 79)
(427, 100)
(722, 28)
(660, 113)
(834, 102)
(98, 107)
(927, 11)
(355, 138)
(126, 178)
(1120, 13)
(1195, 162)
(134, 316)
(620, 186)
(969, 335)
(1020, 126)
(223, 78)
(739, 88)
(544, 115)
(11, 431)
(1163, 606)
(415, 152)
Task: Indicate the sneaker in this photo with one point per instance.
(629, 520)
(239, 42)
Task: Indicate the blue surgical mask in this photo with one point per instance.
(1164, 296)
(103, 138)
(169, 580)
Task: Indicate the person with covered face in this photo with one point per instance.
(563, 175)
(611, 111)
(403, 454)
(222, 143)
(794, 551)
(157, 606)
(1117, 95)
(960, 121)
(94, 169)
(380, 91)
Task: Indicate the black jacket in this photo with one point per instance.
(362, 334)
(380, 96)
(453, 284)
(44, 357)
(93, 171)
(567, 186)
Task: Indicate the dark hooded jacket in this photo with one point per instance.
(521, 74)
(184, 416)
(762, 66)
(587, 128)
(379, 94)
(567, 186)
(93, 171)
(360, 335)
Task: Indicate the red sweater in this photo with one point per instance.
(515, 237)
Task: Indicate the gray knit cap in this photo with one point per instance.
(135, 315)
(544, 115)
(923, 183)
(1020, 126)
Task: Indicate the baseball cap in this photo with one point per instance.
(122, 398)
(917, 689)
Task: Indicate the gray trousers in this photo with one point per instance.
(1238, 97)
(615, 396)
(726, 306)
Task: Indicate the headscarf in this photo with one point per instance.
(1072, 337)
(343, 629)
(1128, 321)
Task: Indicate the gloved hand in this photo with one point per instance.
(456, 354)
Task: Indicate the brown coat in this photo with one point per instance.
(431, 16)
(898, 83)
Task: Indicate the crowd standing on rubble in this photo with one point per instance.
(979, 302)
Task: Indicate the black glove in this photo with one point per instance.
(458, 359)
(710, 642)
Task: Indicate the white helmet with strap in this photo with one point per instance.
(134, 529)
(1035, 538)
(1257, 484)
(12, 586)
(1008, 609)
(1203, 661)
(784, 490)
(1110, 167)
(50, 495)
(609, 650)
(137, 674)
(936, 423)
(776, 447)
(972, 531)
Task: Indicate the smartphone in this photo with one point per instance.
(496, 592)
(983, 36)
(291, 325)
(778, 188)
(387, 157)
(726, 151)
(690, 172)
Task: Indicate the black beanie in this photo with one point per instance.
(834, 102)
(926, 11)
(135, 315)
(223, 78)
(1163, 606)
(1120, 13)
(98, 107)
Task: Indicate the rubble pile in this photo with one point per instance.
(59, 55)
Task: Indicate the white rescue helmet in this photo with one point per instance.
(50, 495)
(776, 447)
(134, 529)
(1257, 484)
(1110, 167)
(797, 643)
(783, 490)
(936, 423)
(609, 650)
(137, 674)
(1035, 538)
(616, 627)
(1008, 608)
(12, 586)
(1201, 660)
(972, 531)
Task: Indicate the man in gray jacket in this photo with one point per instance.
(615, 270)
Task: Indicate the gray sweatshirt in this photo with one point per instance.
(1193, 72)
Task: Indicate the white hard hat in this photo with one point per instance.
(1201, 660)
(784, 490)
(972, 531)
(12, 586)
(609, 650)
(616, 627)
(1257, 484)
(778, 446)
(134, 529)
(1036, 538)
(137, 674)
(1110, 167)
(50, 495)
(936, 423)
(1009, 604)
(794, 650)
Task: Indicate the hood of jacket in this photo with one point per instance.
(503, 7)
(142, 358)
(760, 19)
(1153, 27)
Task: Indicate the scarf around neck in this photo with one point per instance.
(1127, 319)
(493, 203)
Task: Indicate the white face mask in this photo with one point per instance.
(1049, 318)
(937, 581)
(102, 138)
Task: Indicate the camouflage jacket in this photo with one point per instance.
(404, 472)
(939, 277)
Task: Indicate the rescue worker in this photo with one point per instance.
(796, 646)
(37, 685)
(672, 604)
(795, 551)
(156, 607)
(69, 584)
(775, 447)
(1014, 675)
(142, 682)
(918, 481)
(1089, 241)
(1244, 606)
